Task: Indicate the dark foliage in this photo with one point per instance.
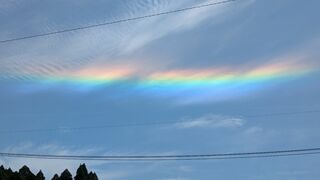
(55, 177)
(65, 175)
(40, 176)
(82, 174)
(25, 174)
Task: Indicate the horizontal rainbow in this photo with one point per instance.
(187, 77)
(209, 82)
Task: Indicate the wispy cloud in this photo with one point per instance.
(155, 28)
(253, 130)
(71, 50)
(8, 5)
(176, 178)
(212, 121)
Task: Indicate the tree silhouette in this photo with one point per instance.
(55, 177)
(3, 173)
(40, 176)
(92, 176)
(65, 175)
(25, 174)
(82, 174)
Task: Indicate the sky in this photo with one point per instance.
(235, 77)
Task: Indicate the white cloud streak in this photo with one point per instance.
(212, 121)
(50, 55)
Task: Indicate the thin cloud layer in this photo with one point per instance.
(212, 121)
(97, 59)
(248, 58)
(186, 86)
(73, 50)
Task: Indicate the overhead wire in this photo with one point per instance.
(116, 21)
(138, 124)
(238, 155)
(257, 154)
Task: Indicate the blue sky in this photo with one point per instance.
(240, 37)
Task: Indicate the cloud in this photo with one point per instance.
(253, 130)
(113, 175)
(73, 50)
(212, 121)
(8, 5)
(176, 178)
(152, 29)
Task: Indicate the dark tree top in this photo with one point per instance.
(40, 176)
(66, 175)
(25, 174)
(82, 172)
(92, 176)
(25, 171)
(55, 177)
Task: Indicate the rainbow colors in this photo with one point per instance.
(214, 82)
(184, 77)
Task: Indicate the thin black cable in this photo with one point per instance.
(117, 21)
(220, 158)
(289, 152)
(97, 114)
(158, 156)
(283, 113)
(140, 124)
(173, 159)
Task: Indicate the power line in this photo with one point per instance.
(177, 159)
(99, 113)
(283, 113)
(245, 155)
(139, 124)
(116, 21)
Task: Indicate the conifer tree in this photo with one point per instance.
(55, 177)
(40, 176)
(26, 174)
(82, 173)
(65, 175)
